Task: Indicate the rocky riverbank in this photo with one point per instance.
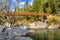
(14, 33)
(19, 32)
(39, 25)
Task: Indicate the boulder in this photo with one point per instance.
(1, 28)
(16, 31)
(38, 24)
(7, 24)
(53, 26)
(21, 38)
(23, 26)
(15, 38)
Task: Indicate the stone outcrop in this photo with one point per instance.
(1, 28)
(53, 26)
(14, 33)
(36, 25)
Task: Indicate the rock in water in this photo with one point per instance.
(23, 26)
(21, 38)
(1, 28)
(14, 33)
(17, 31)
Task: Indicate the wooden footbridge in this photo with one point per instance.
(23, 14)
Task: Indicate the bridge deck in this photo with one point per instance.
(23, 14)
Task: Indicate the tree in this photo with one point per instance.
(37, 6)
(26, 6)
(49, 7)
(5, 7)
